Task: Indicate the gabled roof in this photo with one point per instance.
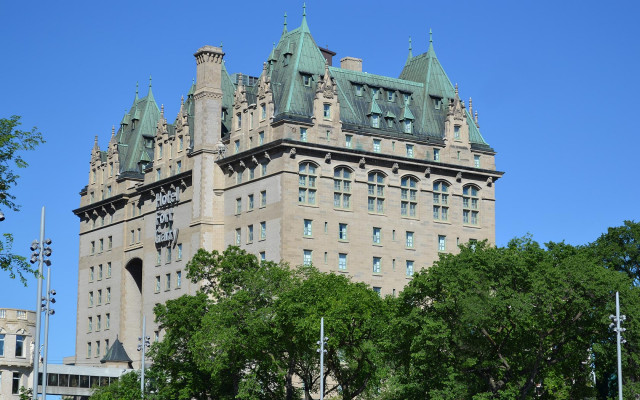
(139, 122)
(116, 353)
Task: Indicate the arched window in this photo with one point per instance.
(470, 209)
(307, 183)
(440, 201)
(409, 196)
(342, 188)
(376, 192)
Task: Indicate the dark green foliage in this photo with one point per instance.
(12, 142)
(126, 388)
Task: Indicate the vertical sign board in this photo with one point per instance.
(165, 233)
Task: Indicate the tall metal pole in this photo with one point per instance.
(144, 328)
(46, 334)
(618, 330)
(36, 359)
(322, 358)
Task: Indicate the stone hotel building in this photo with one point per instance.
(309, 162)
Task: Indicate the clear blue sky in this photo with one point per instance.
(556, 84)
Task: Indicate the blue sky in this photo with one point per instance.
(555, 83)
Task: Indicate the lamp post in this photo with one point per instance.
(40, 252)
(617, 319)
(143, 343)
(322, 343)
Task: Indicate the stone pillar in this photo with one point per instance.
(208, 208)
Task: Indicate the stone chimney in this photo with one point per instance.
(351, 63)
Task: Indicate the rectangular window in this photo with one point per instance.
(167, 280)
(250, 234)
(98, 322)
(456, 132)
(306, 257)
(101, 245)
(251, 120)
(476, 161)
(178, 167)
(238, 205)
(252, 172)
(306, 80)
(263, 198)
(158, 256)
(358, 90)
(408, 126)
(436, 154)
(376, 235)
(308, 227)
(108, 295)
(20, 345)
(406, 98)
(442, 243)
(376, 145)
(347, 141)
(263, 256)
(89, 324)
(180, 143)
(375, 120)
(239, 120)
(238, 237)
(342, 262)
(410, 150)
(409, 240)
(236, 146)
(342, 231)
(303, 134)
(261, 138)
(91, 273)
(158, 284)
(132, 237)
(99, 296)
(376, 265)
(159, 150)
(239, 177)
(264, 168)
(97, 348)
(250, 201)
(409, 268)
(179, 251)
(168, 252)
(139, 239)
(1, 344)
(15, 384)
(374, 93)
(109, 269)
(178, 279)
(263, 230)
(106, 345)
(110, 242)
(327, 111)
(107, 322)
(378, 290)
(263, 111)
(88, 349)
(90, 299)
(158, 174)
(390, 95)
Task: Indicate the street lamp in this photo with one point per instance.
(39, 255)
(617, 319)
(143, 343)
(322, 343)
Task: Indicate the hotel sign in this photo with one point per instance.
(165, 233)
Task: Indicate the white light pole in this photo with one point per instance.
(617, 319)
(322, 343)
(143, 344)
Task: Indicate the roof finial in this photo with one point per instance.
(220, 45)
(284, 29)
(456, 89)
(304, 9)
(430, 36)
(410, 52)
(181, 100)
(95, 142)
(113, 130)
(136, 91)
(150, 81)
(162, 111)
(470, 106)
(477, 119)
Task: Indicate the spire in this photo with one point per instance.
(220, 45)
(162, 111)
(410, 53)
(430, 41)
(477, 119)
(150, 94)
(95, 143)
(456, 89)
(136, 99)
(284, 29)
(303, 26)
(113, 131)
(470, 106)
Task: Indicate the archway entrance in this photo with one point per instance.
(131, 303)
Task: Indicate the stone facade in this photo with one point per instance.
(17, 330)
(363, 175)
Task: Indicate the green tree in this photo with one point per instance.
(619, 249)
(12, 142)
(125, 388)
(503, 323)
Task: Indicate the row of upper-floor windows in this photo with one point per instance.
(168, 282)
(162, 149)
(98, 322)
(262, 113)
(99, 246)
(160, 173)
(98, 298)
(251, 202)
(100, 272)
(19, 348)
(391, 95)
(170, 254)
(377, 197)
(262, 234)
(251, 172)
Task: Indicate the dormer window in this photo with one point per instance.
(263, 111)
(306, 80)
(374, 93)
(159, 150)
(390, 95)
(406, 99)
(437, 102)
(327, 111)
(375, 120)
(407, 126)
(456, 132)
(389, 123)
(223, 114)
(358, 90)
